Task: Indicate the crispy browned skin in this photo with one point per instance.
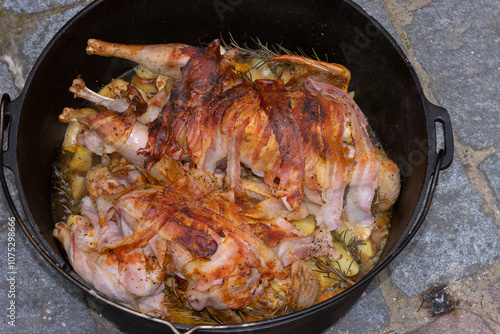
(193, 90)
(282, 133)
(179, 225)
(115, 128)
(283, 109)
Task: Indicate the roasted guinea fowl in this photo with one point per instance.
(222, 187)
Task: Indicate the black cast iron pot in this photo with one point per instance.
(386, 88)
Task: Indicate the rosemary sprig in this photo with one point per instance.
(261, 314)
(175, 301)
(62, 185)
(351, 246)
(261, 52)
(325, 266)
(203, 317)
(340, 238)
(378, 199)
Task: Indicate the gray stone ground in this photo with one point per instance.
(455, 48)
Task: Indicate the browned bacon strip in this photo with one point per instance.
(190, 92)
(365, 164)
(112, 128)
(312, 137)
(331, 122)
(190, 234)
(242, 109)
(256, 253)
(284, 116)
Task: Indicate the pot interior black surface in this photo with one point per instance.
(385, 88)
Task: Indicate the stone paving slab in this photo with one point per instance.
(456, 239)
(494, 290)
(370, 313)
(7, 83)
(35, 6)
(459, 321)
(491, 164)
(38, 38)
(462, 58)
(454, 47)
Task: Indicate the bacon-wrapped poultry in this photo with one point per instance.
(204, 181)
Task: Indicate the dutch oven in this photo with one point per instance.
(385, 85)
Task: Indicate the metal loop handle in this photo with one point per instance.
(3, 103)
(436, 114)
(428, 200)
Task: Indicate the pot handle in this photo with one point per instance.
(441, 155)
(64, 269)
(438, 119)
(10, 114)
(441, 160)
